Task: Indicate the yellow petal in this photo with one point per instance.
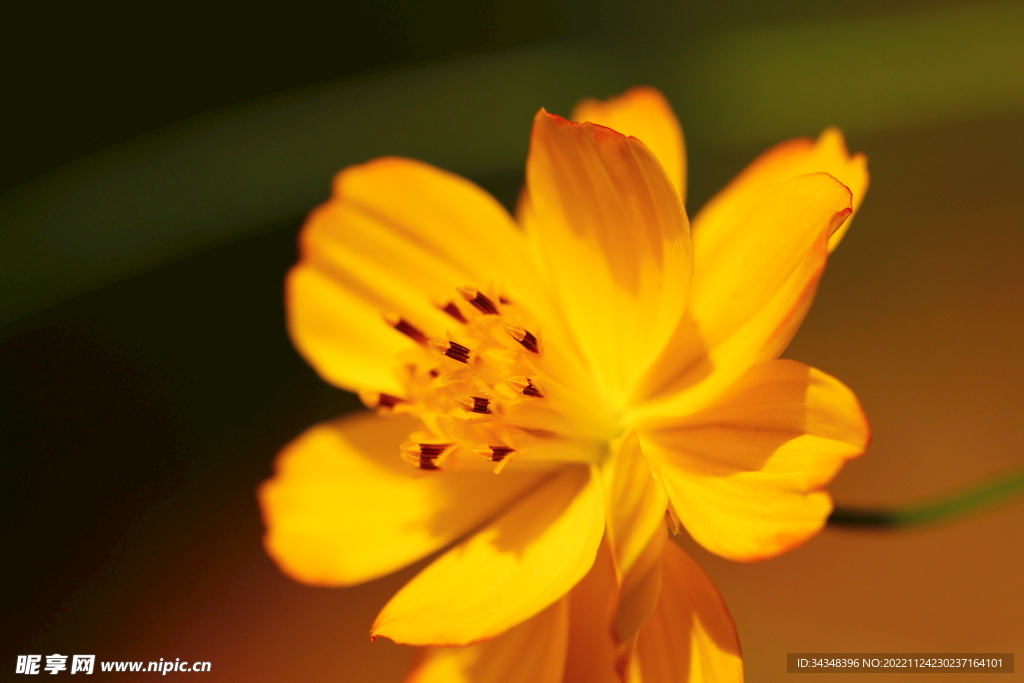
(640, 589)
(636, 503)
(396, 237)
(344, 508)
(533, 652)
(505, 573)
(745, 475)
(341, 333)
(771, 231)
(644, 113)
(613, 237)
(591, 654)
(751, 288)
(784, 161)
(690, 636)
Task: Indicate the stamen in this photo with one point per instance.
(451, 309)
(405, 327)
(475, 404)
(425, 455)
(524, 337)
(453, 350)
(476, 413)
(493, 453)
(479, 300)
(389, 401)
(525, 386)
(377, 399)
(499, 453)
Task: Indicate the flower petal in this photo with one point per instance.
(343, 507)
(532, 652)
(614, 239)
(690, 636)
(644, 113)
(340, 333)
(745, 475)
(737, 271)
(591, 654)
(749, 293)
(787, 160)
(635, 502)
(396, 237)
(641, 587)
(505, 573)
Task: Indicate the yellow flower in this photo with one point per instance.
(663, 623)
(607, 364)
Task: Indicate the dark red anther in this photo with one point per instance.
(479, 300)
(483, 304)
(529, 342)
(406, 328)
(432, 450)
(425, 455)
(457, 351)
(429, 452)
(389, 401)
(527, 339)
(481, 405)
(499, 453)
(451, 309)
(531, 389)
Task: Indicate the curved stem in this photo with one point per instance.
(966, 501)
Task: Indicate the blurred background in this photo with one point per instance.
(159, 161)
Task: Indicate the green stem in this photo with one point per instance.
(969, 500)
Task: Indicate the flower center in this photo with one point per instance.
(490, 391)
